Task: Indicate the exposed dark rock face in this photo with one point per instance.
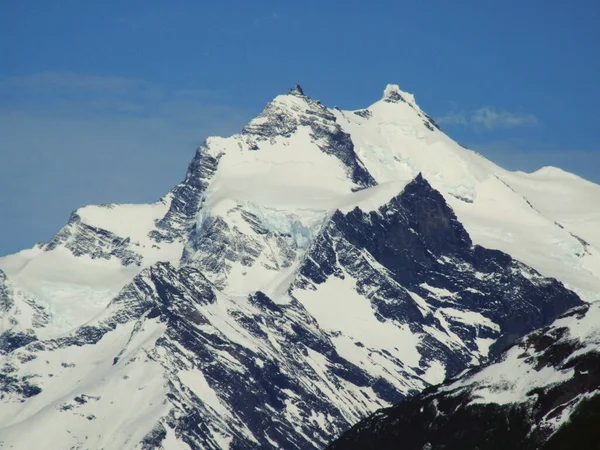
(11, 340)
(275, 363)
(558, 411)
(364, 113)
(277, 376)
(415, 245)
(16, 332)
(277, 120)
(186, 198)
(214, 246)
(395, 96)
(282, 118)
(280, 325)
(83, 239)
(297, 90)
(6, 300)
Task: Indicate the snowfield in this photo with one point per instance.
(315, 267)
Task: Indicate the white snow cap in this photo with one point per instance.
(393, 90)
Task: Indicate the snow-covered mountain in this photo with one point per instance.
(541, 393)
(308, 271)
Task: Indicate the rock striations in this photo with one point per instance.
(318, 266)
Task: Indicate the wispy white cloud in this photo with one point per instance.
(453, 118)
(488, 118)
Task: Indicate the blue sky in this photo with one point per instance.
(106, 101)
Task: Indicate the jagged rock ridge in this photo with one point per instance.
(302, 275)
(541, 393)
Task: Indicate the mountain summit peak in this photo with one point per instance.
(297, 91)
(243, 266)
(393, 94)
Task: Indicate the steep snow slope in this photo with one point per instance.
(395, 139)
(298, 161)
(542, 393)
(272, 223)
(567, 198)
(284, 174)
(75, 275)
(173, 357)
(289, 169)
(369, 317)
